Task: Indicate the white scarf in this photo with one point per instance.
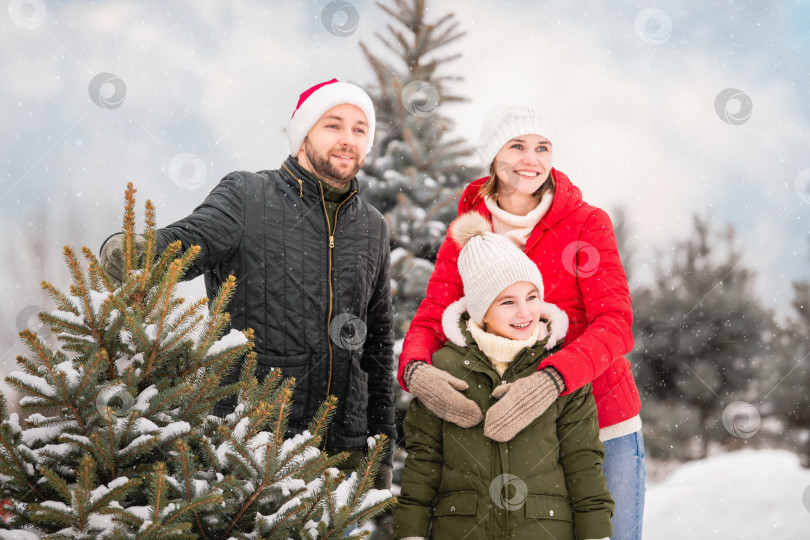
(500, 350)
(514, 227)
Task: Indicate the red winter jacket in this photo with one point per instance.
(575, 249)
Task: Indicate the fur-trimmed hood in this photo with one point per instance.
(555, 330)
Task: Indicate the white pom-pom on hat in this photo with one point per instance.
(467, 226)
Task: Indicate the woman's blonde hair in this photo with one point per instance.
(490, 186)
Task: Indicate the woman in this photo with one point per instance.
(573, 245)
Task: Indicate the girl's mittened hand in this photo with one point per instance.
(441, 394)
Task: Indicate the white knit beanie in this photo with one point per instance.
(488, 263)
(315, 101)
(505, 123)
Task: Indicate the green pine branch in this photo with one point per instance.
(125, 403)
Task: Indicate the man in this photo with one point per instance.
(311, 260)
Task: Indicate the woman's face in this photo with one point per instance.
(523, 164)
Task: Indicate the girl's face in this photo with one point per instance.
(523, 164)
(515, 313)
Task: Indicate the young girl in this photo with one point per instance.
(572, 243)
(547, 481)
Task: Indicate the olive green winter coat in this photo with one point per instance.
(545, 483)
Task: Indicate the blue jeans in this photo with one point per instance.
(625, 473)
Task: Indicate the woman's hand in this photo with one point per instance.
(441, 394)
(521, 402)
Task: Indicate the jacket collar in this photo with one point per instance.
(567, 198)
(304, 181)
(455, 327)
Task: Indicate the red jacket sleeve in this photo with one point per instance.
(608, 308)
(425, 335)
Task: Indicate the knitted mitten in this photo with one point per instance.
(441, 394)
(111, 257)
(521, 402)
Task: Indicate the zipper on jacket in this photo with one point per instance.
(493, 509)
(300, 183)
(503, 453)
(329, 314)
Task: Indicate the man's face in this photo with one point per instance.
(335, 147)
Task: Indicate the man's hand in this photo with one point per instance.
(441, 394)
(521, 402)
(112, 258)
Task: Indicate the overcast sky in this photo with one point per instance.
(667, 108)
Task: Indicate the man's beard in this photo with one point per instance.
(325, 170)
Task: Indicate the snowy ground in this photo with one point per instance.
(742, 495)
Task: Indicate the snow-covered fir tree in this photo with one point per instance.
(118, 441)
(416, 170)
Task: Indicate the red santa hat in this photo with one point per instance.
(315, 101)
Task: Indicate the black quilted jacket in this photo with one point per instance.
(320, 307)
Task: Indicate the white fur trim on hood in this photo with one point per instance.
(450, 318)
(558, 322)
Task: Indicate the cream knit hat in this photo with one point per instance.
(505, 123)
(488, 263)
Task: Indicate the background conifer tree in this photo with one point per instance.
(416, 170)
(785, 384)
(701, 338)
(119, 442)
